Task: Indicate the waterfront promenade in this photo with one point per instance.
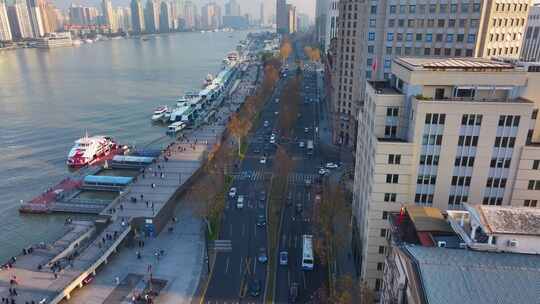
(174, 258)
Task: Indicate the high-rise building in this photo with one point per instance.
(439, 133)
(530, 51)
(5, 28)
(137, 17)
(232, 8)
(166, 18)
(261, 13)
(151, 17)
(190, 15)
(36, 20)
(123, 19)
(91, 15)
(211, 16)
(20, 20)
(282, 17)
(302, 22)
(322, 8)
(331, 27)
(292, 19)
(109, 15)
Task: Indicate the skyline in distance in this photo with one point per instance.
(249, 6)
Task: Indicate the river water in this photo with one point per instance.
(49, 98)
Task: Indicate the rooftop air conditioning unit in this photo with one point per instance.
(512, 243)
(441, 244)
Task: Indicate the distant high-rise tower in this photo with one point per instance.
(19, 20)
(5, 28)
(232, 8)
(152, 16)
(292, 19)
(190, 14)
(109, 15)
(35, 15)
(282, 17)
(261, 13)
(165, 19)
(211, 16)
(137, 17)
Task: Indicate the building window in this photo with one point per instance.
(471, 38)
(392, 178)
(389, 36)
(392, 111)
(536, 164)
(390, 131)
(533, 184)
(412, 9)
(390, 197)
(530, 203)
(383, 233)
(380, 266)
(385, 215)
(435, 118)
(392, 9)
(450, 38)
(394, 159)
(381, 249)
(371, 36)
(373, 9)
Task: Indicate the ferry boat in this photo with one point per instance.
(88, 150)
(176, 127)
(159, 112)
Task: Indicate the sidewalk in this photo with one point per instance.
(181, 266)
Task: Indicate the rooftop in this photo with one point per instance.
(465, 276)
(508, 220)
(428, 219)
(384, 88)
(426, 63)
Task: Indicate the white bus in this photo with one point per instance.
(307, 252)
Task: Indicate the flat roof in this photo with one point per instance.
(508, 219)
(464, 63)
(428, 219)
(475, 277)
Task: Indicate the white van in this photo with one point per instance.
(240, 202)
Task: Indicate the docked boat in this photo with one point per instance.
(159, 112)
(90, 149)
(176, 127)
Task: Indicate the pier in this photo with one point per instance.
(49, 273)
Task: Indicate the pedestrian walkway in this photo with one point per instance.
(258, 175)
(301, 178)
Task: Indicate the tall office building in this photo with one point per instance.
(137, 17)
(372, 33)
(440, 133)
(5, 28)
(166, 18)
(36, 20)
(331, 28)
(282, 17)
(211, 16)
(123, 19)
(261, 13)
(302, 22)
(91, 15)
(232, 8)
(322, 9)
(530, 51)
(291, 19)
(20, 20)
(109, 15)
(151, 17)
(190, 15)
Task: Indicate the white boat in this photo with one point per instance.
(166, 116)
(89, 149)
(175, 127)
(159, 112)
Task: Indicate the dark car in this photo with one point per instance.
(261, 220)
(299, 207)
(293, 293)
(255, 287)
(257, 150)
(262, 196)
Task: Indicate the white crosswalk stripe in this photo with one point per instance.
(300, 178)
(251, 176)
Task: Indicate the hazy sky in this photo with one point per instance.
(249, 6)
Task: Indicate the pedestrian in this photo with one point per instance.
(146, 204)
(117, 280)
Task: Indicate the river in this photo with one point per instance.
(49, 98)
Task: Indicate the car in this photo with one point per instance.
(306, 130)
(283, 258)
(277, 100)
(323, 171)
(272, 140)
(256, 150)
(240, 202)
(263, 160)
(89, 278)
(307, 181)
(293, 293)
(266, 123)
(276, 113)
(232, 192)
(262, 196)
(331, 165)
(262, 257)
(261, 220)
(301, 144)
(255, 287)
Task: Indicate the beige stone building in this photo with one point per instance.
(441, 133)
(371, 33)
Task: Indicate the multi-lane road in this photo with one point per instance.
(238, 275)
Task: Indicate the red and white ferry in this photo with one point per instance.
(91, 149)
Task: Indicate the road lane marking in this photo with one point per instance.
(304, 278)
(227, 265)
(243, 229)
(230, 230)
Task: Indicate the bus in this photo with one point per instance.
(307, 252)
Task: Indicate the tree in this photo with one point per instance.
(239, 128)
(285, 49)
(289, 107)
(313, 53)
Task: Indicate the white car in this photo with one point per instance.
(240, 202)
(301, 144)
(323, 171)
(263, 160)
(266, 123)
(331, 166)
(276, 113)
(277, 100)
(232, 192)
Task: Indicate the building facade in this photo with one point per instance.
(5, 28)
(166, 19)
(331, 27)
(137, 17)
(190, 15)
(109, 15)
(292, 19)
(282, 17)
(321, 15)
(151, 17)
(530, 51)
(20, 20)
(385, 29)
(211, 16)
(441, 133)
(232, 8)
